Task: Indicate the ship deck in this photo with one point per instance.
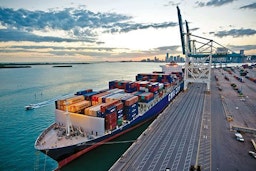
(50, 139)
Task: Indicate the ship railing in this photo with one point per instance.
(40, 138)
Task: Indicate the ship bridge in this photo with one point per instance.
(201, 53)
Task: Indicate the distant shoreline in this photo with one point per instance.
(55, 64)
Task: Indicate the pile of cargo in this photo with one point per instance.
(115, 105)
(121, 101)
(128, 86)
(155, 77)
(73, 104)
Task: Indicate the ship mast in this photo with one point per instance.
(68, 121)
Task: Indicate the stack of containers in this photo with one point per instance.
(153, 87)
(105, 106)
(88, 96)
(130, 107)
(142, 85)
(119, 110)
(128, 86)
(103, 99)
(93, 111)
(96, 97)
(155, 77)
(82, 92)
(146, 97)
(78, 107)
(161, 88)
(111, 118)
(178, 75)
(61, 104)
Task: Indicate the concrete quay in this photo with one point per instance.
(195, 130)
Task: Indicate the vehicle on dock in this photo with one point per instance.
(90, 118)
(253, 154)
(239, 137)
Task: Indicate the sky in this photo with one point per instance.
(112, 30)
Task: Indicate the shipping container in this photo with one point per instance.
(71, 100)
(130, 112)
(105, 106)
(82, 92)
(77, 107)
(111, 121)
(95, 98)
(130, 101)
(88, 96)
(146, 97)
(93, 111)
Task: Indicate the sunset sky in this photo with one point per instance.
(100, 30)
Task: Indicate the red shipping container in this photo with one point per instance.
(111, 121)
(96, 96)
(104, 106)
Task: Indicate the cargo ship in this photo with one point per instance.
(91, 118)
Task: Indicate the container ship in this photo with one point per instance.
(91, 118)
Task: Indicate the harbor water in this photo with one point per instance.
(42, 85)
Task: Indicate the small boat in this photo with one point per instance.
(30, 107)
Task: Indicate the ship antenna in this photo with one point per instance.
(68, 121)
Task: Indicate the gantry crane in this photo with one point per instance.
(199, 54)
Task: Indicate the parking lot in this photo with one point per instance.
(227, 152)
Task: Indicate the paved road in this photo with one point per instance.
(228, 153)
(173, 143)
(194, 130)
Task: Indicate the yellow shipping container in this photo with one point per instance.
(76, 107)
(71, 100)
(92, 111)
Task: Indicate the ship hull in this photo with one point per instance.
(65, 155)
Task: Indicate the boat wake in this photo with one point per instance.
(45, 103)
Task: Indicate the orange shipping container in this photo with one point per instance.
(71, 100)
(131, 101)
(104, 106)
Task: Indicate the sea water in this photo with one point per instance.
(44, 83)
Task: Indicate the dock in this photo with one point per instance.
(195, 132)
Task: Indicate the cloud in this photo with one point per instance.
(16, 35)
(214, 3)
(244, 47)
(250, 6)
(168, 48)
(127, 27)
(236, 33)
(172, 3)
(75, 24)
